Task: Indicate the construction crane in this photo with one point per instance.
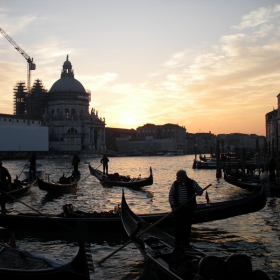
(30, 64)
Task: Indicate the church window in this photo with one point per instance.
(72, 130)
(67, 113)
(73, 112)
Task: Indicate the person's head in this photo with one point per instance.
(181, 176)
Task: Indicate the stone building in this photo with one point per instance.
(71, 126)
(153, 139)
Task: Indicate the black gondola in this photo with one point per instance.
(250, 183)
(19, 189)
(64, 185)
(111, 180)
(182, 263)
(21, 264)
(105, 221)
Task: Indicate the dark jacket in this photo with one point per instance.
(4, 173)
(190, 192)
(104, 160)
(75, 160)
(32, 160)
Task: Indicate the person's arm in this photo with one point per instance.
(171, 198)
(9, 177)
(197, 188)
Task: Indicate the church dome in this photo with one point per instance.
(67, 82)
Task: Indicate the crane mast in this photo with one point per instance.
(30, 64)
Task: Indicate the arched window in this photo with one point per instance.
(73, 112)
(67, 113)
(72, 130)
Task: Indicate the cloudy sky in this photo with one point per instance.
(206, 65)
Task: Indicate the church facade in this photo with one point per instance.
(66, 112)
(71, 126)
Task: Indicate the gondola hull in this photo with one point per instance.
(181, 263)
(120, 181)
(19, 190)
(250, 184)
(56, 187)
(105, 222)
(21, 264)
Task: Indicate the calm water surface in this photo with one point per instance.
(256, 234)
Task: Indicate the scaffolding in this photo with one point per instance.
(19, 99)
(36, 100)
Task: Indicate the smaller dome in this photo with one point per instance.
(67, 63)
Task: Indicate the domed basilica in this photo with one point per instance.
(65, 110)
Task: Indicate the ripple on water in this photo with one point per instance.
(256, 234)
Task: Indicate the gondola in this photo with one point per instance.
(249, 183)
(40, 170)
(19, 189)
(180, 263)
(105, 221)
(111, 180)
(17, 263)
(64, 185)
(236, 172)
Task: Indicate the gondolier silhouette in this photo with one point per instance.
(4, 186)
(181, 190)
(75, 164)
(105, 161)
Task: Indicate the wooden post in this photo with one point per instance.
(258, 153)
(243, 166)
(277, 152)
(218, 167)
(265, 156)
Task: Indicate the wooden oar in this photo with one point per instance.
(97, 166)
(68, 171)
(148, 228)
(71, 229)
(90, 173)
(22, 170)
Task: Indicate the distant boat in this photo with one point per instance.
(207, 164)
(169, 154)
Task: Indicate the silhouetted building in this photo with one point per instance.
(20, 92)
(71, 126)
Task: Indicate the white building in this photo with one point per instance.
(21, 134)
(71, 126)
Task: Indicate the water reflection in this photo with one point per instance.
(256, 234)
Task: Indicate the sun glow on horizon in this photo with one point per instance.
(217, 72)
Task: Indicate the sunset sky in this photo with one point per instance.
(206, 65)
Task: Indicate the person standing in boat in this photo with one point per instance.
(32, 167)
(105, 161)
(180, 192)
(4, 186)
(75, 164)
